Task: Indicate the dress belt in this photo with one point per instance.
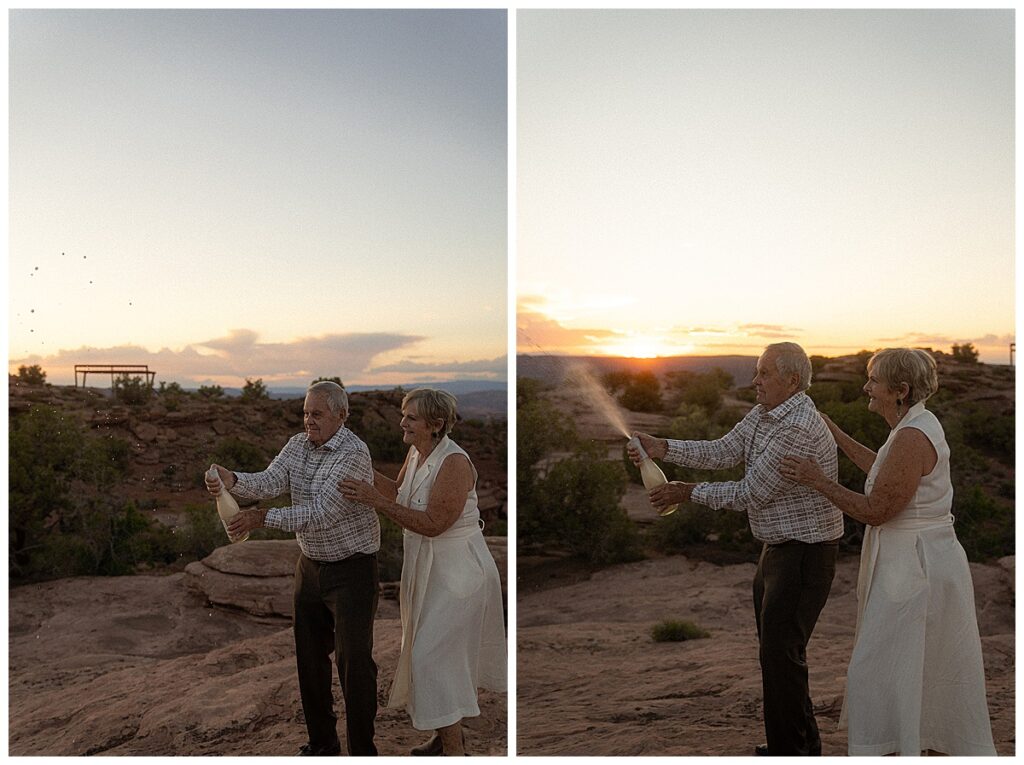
(455, 532)
(918, 524)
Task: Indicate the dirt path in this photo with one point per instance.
(591, 681)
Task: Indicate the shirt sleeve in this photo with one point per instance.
(711, 455)
(762, 481)
(272, 482)
(328, 507)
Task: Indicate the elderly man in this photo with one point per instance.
(800, 530)
(336, 575)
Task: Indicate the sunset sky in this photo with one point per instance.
(275, 194)
(707, 182)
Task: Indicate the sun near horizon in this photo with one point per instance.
(702, 182)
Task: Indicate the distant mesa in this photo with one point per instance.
(554, 369)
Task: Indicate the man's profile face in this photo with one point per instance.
(319, 421)
(772, 388)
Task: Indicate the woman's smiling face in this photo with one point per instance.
(415, 428)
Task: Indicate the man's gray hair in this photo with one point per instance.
(790, 359)
(334, 394)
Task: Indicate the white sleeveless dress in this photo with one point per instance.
(453, 632)
(916, 679)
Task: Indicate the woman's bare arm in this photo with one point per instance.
(447, 499)
(910, 457)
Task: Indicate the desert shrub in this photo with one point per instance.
(966, 353)
(677, 631)
(236, 454)
(984, 526)
(171, 395)
(254, 390)
(694, 524)
(132, 390)
(700, 389)
(107, 460)
(987, 430)
(58, 556)
(748, 394)
(45, 459)
(389, 558)
(384, 441)
(642, 393)
(616, 380)
(497, 528)
(100, 537)
(568, 493)
(541, 429)
(328, 379)
(31, 375)
(581, 510)
(121, 538)
(201, 532)
(211, 391)
(844, 391)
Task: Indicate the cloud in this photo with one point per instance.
(239, 355)
(773, 331)
(702, 331)
(944, 342)
(537, 333)
(478, 367)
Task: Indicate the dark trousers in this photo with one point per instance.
(335, 604)
(790, 589)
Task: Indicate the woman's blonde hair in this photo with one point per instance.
(912, 366)
(434, 405)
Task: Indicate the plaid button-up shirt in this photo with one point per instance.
(327, 526)
(778, 509)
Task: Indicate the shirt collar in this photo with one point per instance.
(915, 410)
(787, 406)
(332, 443)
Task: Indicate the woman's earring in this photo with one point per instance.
(899, 407)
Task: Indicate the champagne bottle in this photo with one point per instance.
(651, 474)
(227, 506)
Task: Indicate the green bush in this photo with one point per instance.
(171, 395)
(236, 454)
(33, 375)
(568, 501)
(700, 389)
(389, 558)
(384, 441)
(695, 524)
(616, 380)
(675, 632)
(211, 391)
(46, 458)
(132, 390)
(984, 526)
(642, 393)
(580, 510)
(966, 353)
(988, 430)
(329, 379)
(254, 390)
(201, 533)
(101, 537)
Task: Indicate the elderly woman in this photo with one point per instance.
(916, 680)
(453, 638)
